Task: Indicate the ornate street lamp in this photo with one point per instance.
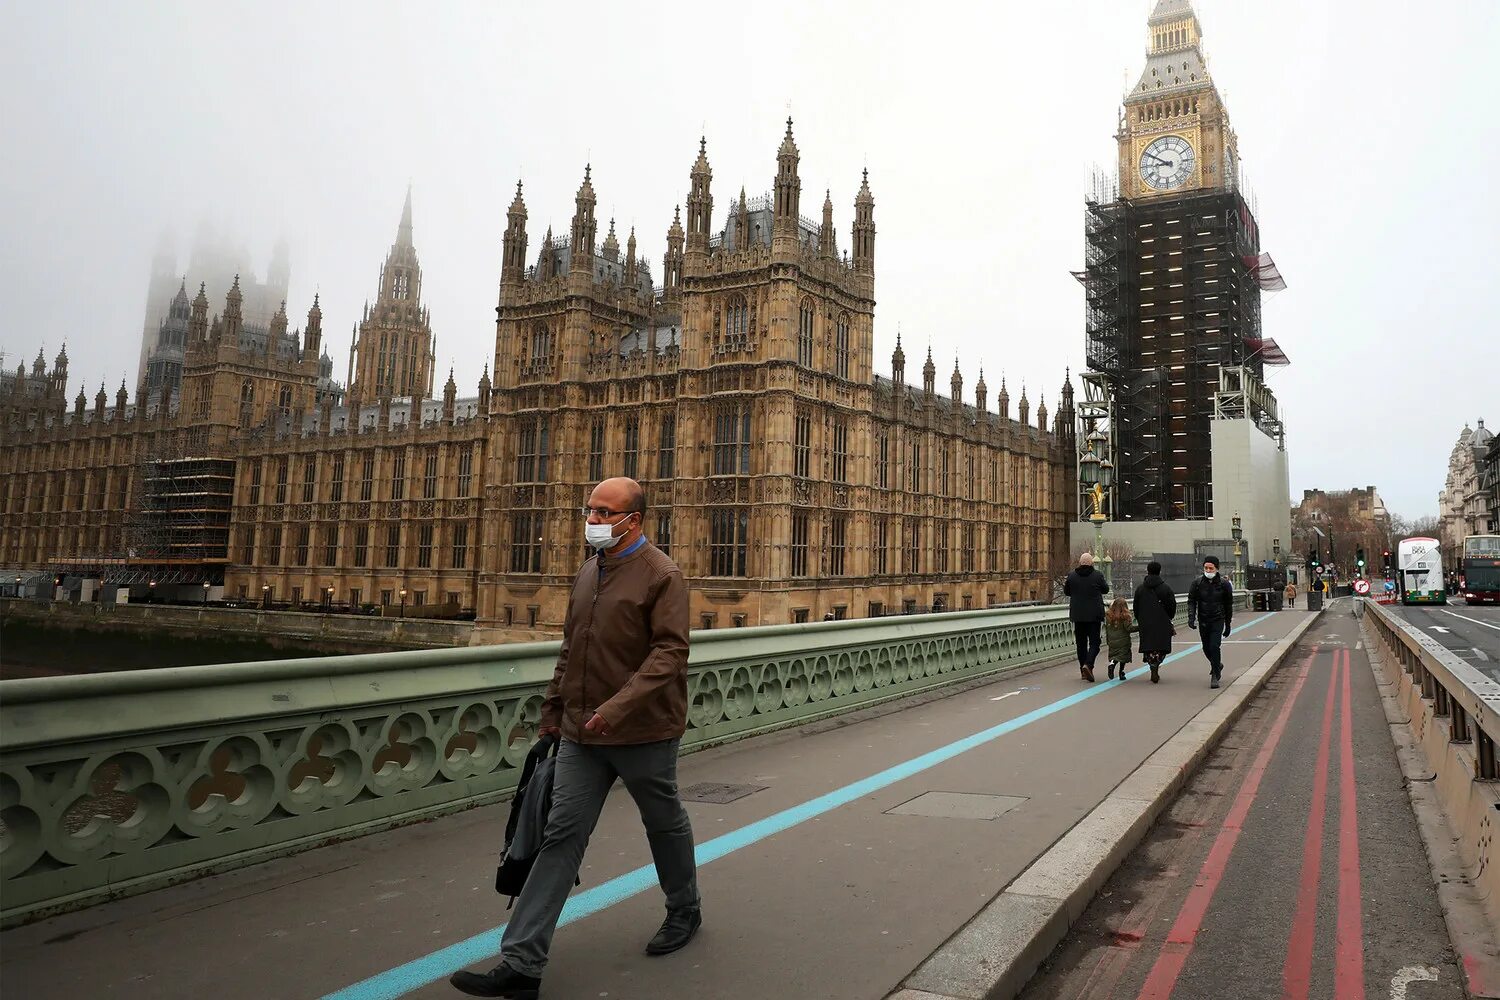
(403, 602)
(1099, 475)
(1237, 534)
(327, 597)
(205, 593)
(151, 596)
(265, 596)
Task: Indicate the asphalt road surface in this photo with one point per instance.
(1290, 866)
(1472, 632)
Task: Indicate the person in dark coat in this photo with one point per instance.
(1155, 607)
(1085, 588)
(1210, 608)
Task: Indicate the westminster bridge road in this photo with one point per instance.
(914, 807)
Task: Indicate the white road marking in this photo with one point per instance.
(1480, 654)
(1411, 974)
(1466, 618)
(1439, 628)
(1005, 696)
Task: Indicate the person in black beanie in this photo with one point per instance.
(1210, 604)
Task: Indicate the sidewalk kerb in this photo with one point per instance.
(994, 955)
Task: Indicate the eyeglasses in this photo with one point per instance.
(604, 512)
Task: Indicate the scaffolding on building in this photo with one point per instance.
(1172, 297)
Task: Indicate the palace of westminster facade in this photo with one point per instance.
(786, 478)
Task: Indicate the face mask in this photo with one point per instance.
(1210, 573)
(600, 536)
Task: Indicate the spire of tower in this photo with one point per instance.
(700, 202)
(864, 227)
(788, 189)
(403, 232)
(825, 236)
(584, 226)
(611, 243)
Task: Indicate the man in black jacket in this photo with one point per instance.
(1210, 607)
(1085, 588)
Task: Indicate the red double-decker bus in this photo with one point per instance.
(1480, 569)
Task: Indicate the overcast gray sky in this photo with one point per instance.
(1368, 130)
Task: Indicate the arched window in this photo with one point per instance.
(805, 335)
(737, 325)
(841, 347)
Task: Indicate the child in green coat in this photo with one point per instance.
(1118, 625)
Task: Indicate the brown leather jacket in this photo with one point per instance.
(624, 651)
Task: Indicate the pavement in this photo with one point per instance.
(1291, 865)
(1470, 631)
(859, 846)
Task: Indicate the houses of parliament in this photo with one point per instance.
(786, 477)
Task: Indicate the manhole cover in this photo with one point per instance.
(712, 791)
(958, 805)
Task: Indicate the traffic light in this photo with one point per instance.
(1385, 559)
(1359, 558)
(1312, 557)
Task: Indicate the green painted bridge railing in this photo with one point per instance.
(115, 783)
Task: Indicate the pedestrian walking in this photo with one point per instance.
(1210, 608)
(1085, 588)
(1155, 607)
(618, 701)
(1118, 626)
(1291, 594)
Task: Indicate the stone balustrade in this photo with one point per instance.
(112, 784)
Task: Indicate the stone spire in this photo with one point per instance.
(233, 316)
(981, 392)
(513, 256)
(825, 236)
(1025, 407)
(788, 195)
(584, 226)
(403, 231)
(630, 259)
(484, 392)
(277, 331)
(700, 203)
(79, 404)
(611, 250)
(929, 374)
(450, 397)
(864, 228)
(672, 263)
(742, 222)
(1004, 398)
(898, 364)
(956, 383)
(198, 324)
(1041, 413)
(312, 336)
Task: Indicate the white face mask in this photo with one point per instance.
(1210, 573)
(600, 536)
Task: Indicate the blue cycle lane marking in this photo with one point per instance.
(485, 946)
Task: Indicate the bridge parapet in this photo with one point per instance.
(1453, 710)
(116, 783)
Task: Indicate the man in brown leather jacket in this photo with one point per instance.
(618, 700)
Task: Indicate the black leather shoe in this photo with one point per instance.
(501, 981)
(677, 930)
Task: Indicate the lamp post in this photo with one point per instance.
(265, 596)
(327, 598)
(1239, 578)
(205, 593)
(151, 594)
(1099, 475)
(403, 602)
(18, 587)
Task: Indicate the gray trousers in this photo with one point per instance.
(583, 779)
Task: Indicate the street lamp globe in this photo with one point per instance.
(1088, 468)
(1235, 531)
(1106, 473)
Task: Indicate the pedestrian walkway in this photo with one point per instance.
(1290, 867)
(834, 859)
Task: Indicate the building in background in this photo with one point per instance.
(1336, 524)
(1173, 279)
(785, 477)
(1466, 502)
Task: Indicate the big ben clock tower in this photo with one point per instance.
(1174, 130)
(1173, 280)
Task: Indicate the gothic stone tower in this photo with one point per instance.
(391, 354)
(1170, 279)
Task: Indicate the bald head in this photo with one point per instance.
(619, 494)
(1087, 559)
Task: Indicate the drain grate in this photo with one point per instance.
(717, 792)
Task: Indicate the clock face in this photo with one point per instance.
(1167, 163)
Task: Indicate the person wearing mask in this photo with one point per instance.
(618, 700)
(1210, 608)
(1155, 607)
(1085, 588)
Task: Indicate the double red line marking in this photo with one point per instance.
(1349, 936)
